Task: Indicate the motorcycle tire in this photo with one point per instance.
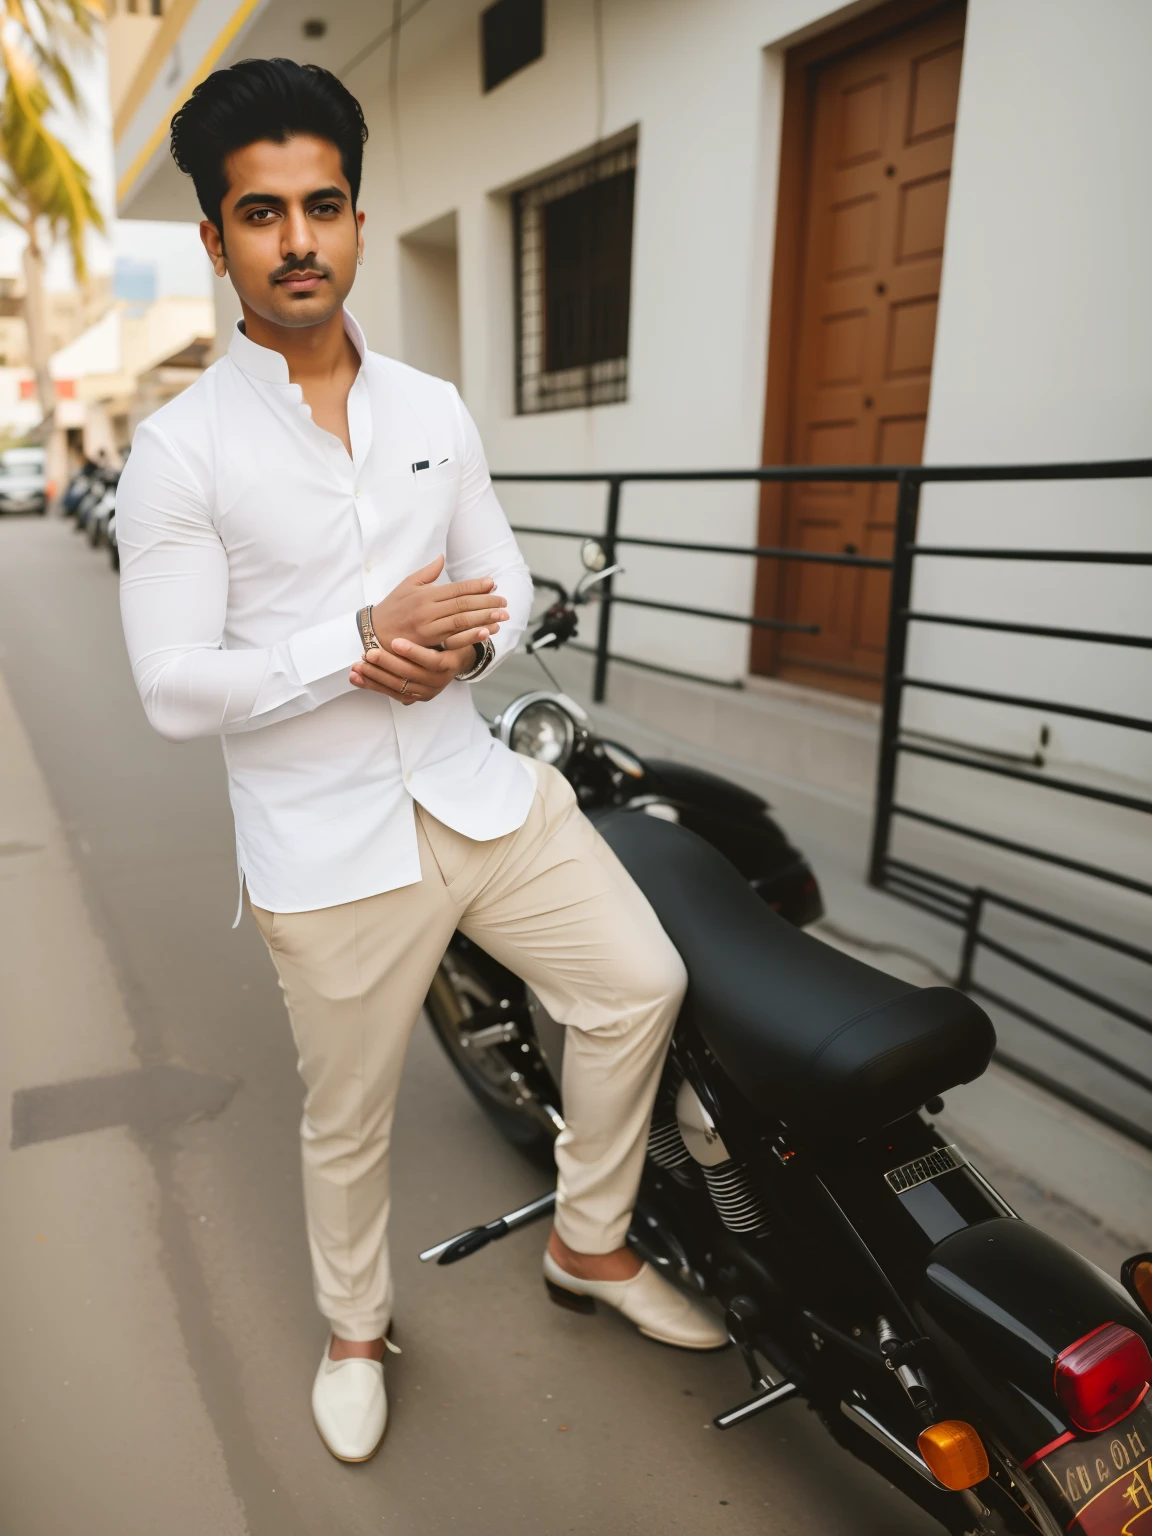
(95, 532)
(460, 989)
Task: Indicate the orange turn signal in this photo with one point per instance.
(1142, 1281)
(955, 1454)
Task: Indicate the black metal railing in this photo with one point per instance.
(967, 906)
(612, 538)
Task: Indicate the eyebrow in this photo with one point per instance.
(274, 200)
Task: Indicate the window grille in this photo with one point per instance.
(574, 276)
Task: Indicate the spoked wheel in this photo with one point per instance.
(479, 1037)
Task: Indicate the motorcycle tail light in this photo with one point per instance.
(955, 1454)
(1102, 1377)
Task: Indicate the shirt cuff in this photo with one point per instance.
(325, 648)
(504, 643)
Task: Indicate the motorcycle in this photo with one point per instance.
(606, 775)
(97, 503)
(101, 514)
(90, 499)
(78, 487)
(795, 1177)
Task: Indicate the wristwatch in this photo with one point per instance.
(485, 654)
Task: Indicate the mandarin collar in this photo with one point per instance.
(272, 367)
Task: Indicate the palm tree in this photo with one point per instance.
(43, 188)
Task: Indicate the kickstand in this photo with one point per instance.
(464, 1243)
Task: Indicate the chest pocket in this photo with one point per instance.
(433, 479)
(435, 491)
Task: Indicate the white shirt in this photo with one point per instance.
(248, 540)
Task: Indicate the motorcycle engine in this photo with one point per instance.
(698, 1129)
(682, 1129)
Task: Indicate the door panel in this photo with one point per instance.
(881, 126)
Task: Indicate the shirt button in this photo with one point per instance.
(357, 493)
(367, 565)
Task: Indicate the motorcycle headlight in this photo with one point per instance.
(545, 731)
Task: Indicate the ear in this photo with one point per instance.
(360, 236)
(213, 242)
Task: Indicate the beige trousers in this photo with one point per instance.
(552, 903)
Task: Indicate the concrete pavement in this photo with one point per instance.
(159, 1336)
(94, 1361)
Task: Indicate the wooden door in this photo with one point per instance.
(880, 125)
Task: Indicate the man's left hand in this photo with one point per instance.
(410, 673)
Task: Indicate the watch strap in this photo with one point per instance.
(485, 654)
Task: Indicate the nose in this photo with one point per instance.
(296, 241)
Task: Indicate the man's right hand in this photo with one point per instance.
(452, 615)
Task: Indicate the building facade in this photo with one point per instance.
(690, 234)
(135, 359)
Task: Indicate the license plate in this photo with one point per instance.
(1103, 1486)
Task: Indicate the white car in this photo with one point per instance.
(23, 481)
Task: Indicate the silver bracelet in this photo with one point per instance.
(364, 628)
(487, 653)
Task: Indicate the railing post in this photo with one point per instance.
(971, 938)
(907, 509)
(603, 628)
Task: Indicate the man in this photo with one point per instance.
(314, 565)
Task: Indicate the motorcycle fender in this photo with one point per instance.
(1000, 1300)
(739, 824)
(697, 786)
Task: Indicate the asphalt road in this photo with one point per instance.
(159, 1334)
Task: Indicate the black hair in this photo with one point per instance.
(263, 99)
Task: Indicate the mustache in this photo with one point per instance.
(295, 264)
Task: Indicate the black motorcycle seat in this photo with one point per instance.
(828, 1045)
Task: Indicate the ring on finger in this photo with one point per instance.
(404, 688)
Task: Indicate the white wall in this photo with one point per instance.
(1043, 354)
(430, 299)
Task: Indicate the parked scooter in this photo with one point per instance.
(78, 487)
(795, 1177)
(102, 512)
(92, 498)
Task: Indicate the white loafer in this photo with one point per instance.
(658, 1308)
(350, 1406)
